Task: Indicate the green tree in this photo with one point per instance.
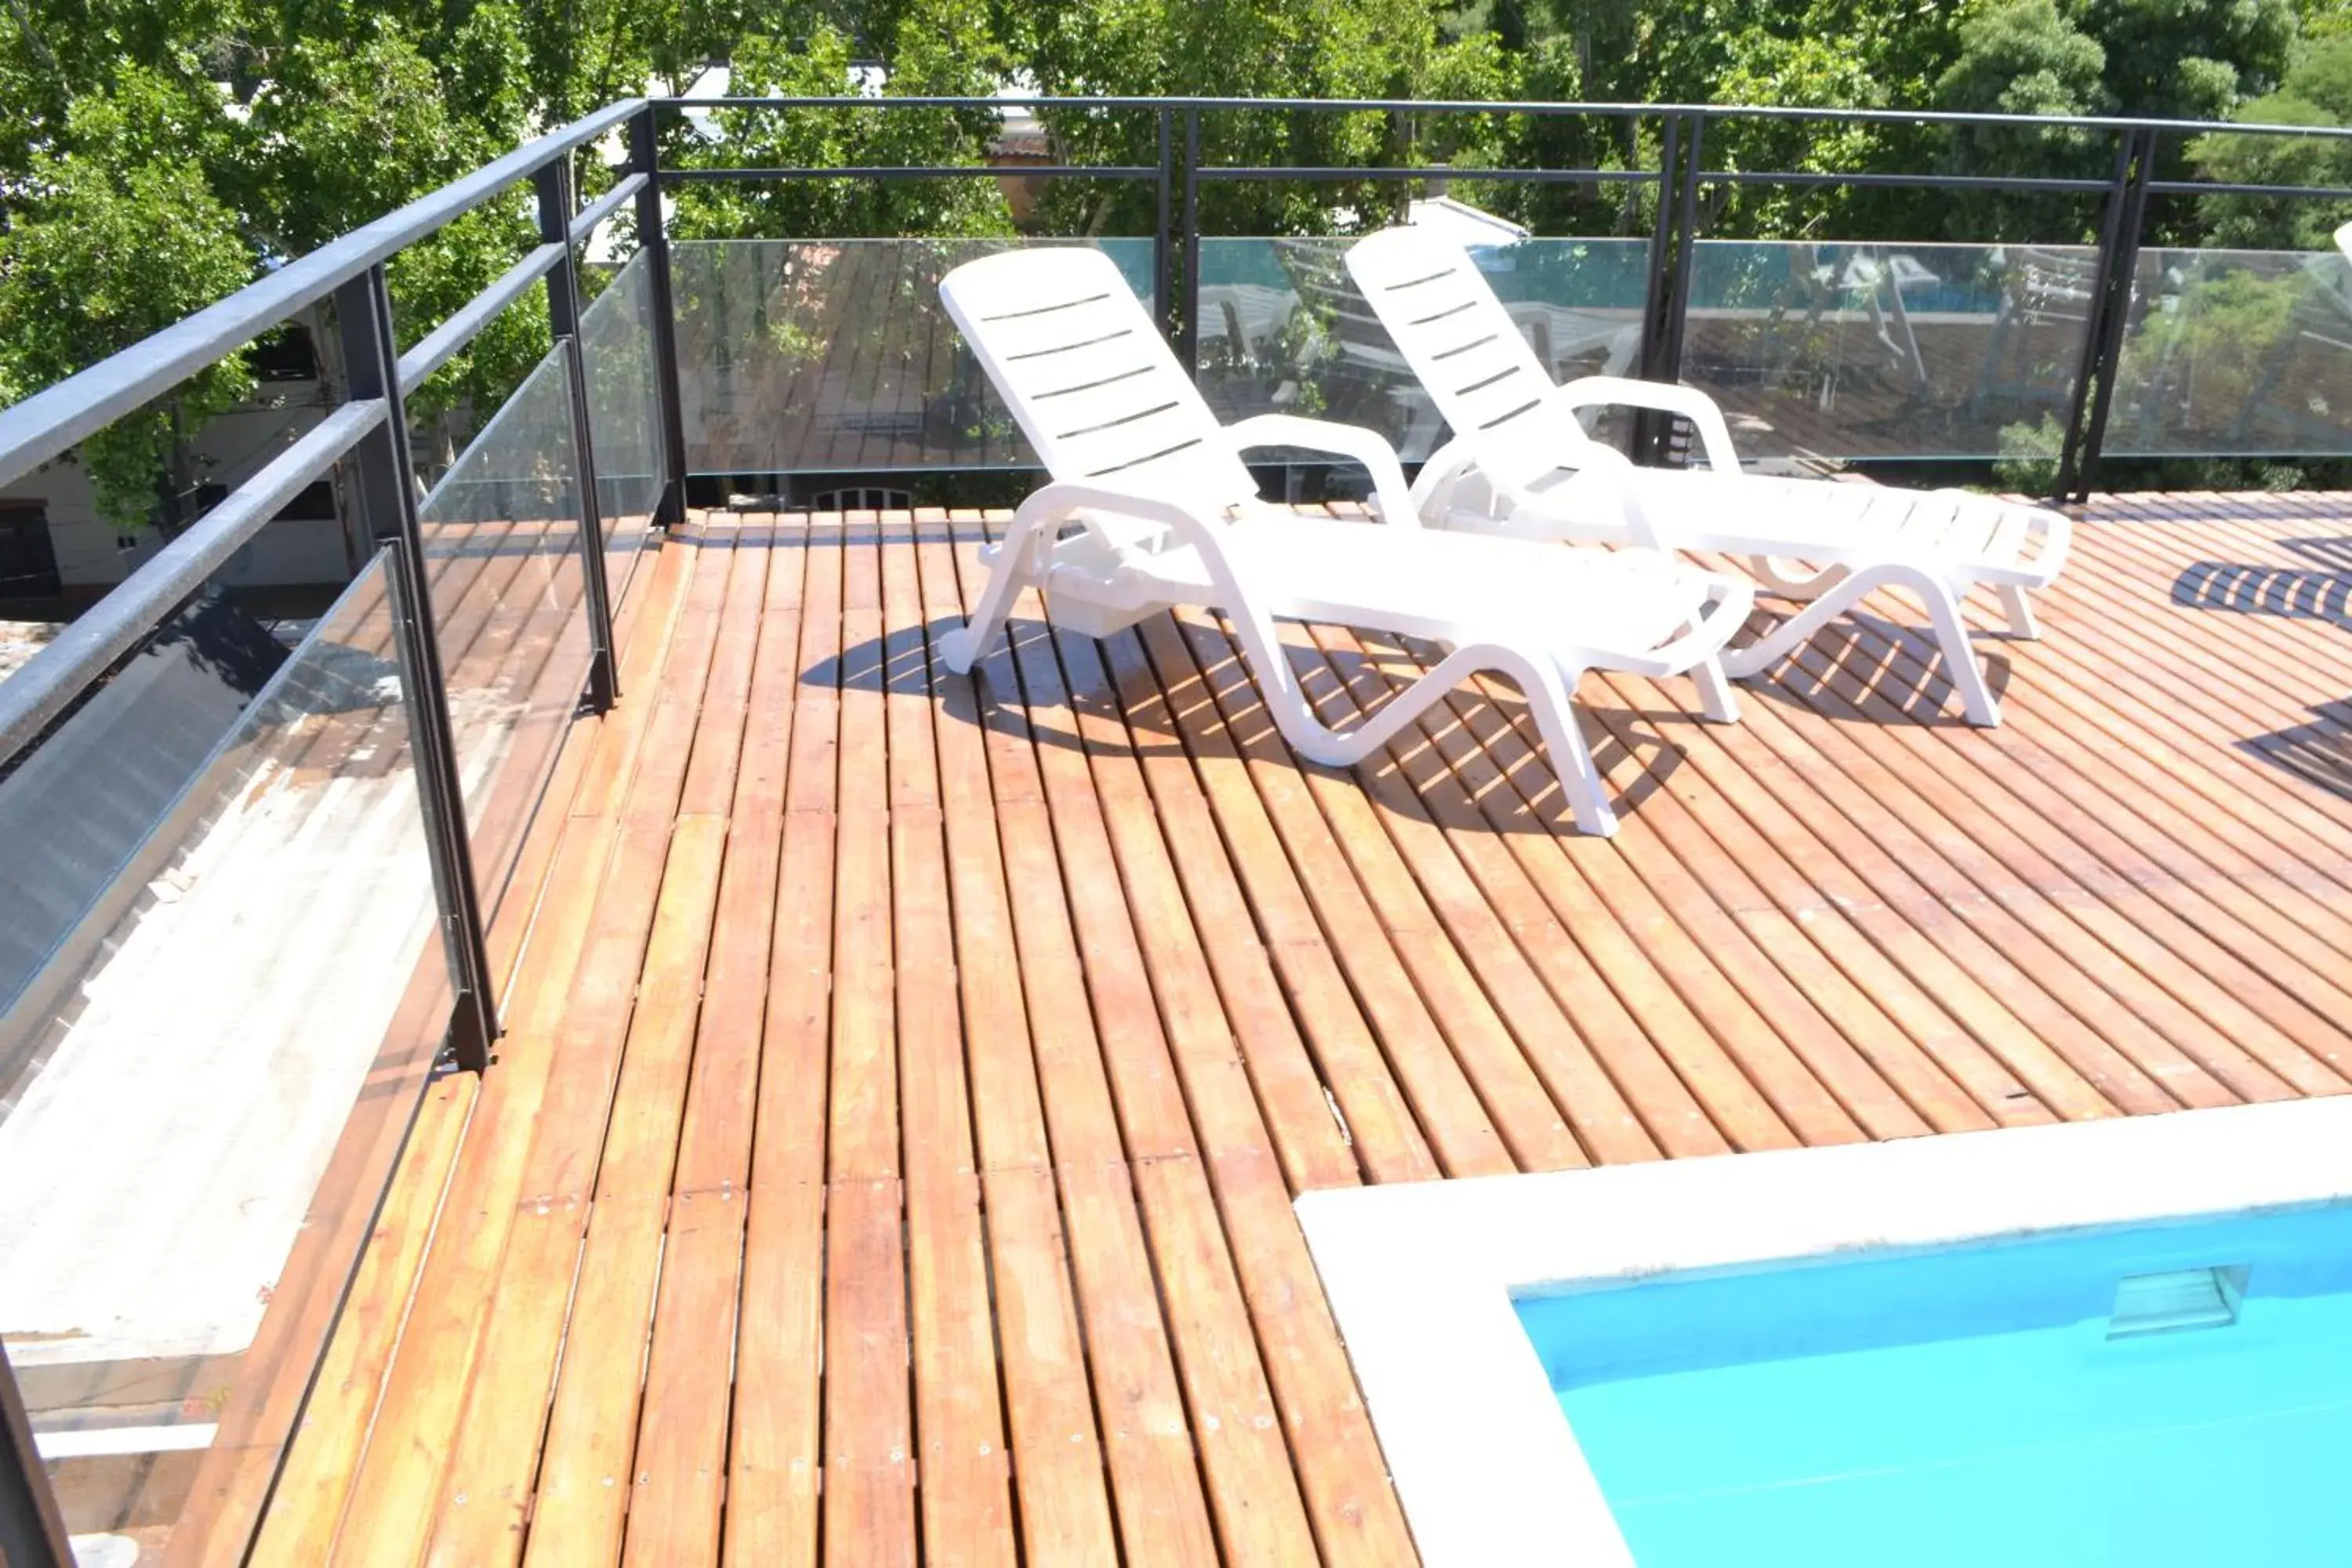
(2024, 56)
(163, 150)
(2316, 91)
(1264, 49)
(2188, 59)
(112, 237)
(944, 49)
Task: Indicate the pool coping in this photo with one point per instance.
(1420, 1276)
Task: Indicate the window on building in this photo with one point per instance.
(286, 354)
(28, 560)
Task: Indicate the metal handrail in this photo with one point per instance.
(1516, 106)
(91, 643)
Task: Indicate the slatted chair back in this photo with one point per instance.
(1446, 322)
(1086, 373)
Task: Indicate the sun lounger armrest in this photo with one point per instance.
(1603, 391)
(1366, 447)
(1052, 505)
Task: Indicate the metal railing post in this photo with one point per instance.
(32, 1529)
(554, 183)
(1686, 249)
(1188, 330)
(1657, 302)
(1163, 285)
(653, 239)
(2102, 333)
(386, 484)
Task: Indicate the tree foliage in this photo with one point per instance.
(2316, 91)
(159, 152)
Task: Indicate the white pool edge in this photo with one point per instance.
(1420, 1276)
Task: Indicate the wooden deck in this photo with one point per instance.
(890, 1157)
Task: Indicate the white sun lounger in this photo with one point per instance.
(1151, 507)
(1522, 464)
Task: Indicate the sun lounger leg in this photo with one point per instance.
(1715, 696)
(2020, 611)
(962, 647)
(1548, 695)
(1961, 665)
(1943, 612)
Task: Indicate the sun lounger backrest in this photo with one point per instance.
(1457, 337)
(1094, 385)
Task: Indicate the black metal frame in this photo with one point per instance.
(32, 1530)
(385, 483)
(556, 207)
(1678, 177)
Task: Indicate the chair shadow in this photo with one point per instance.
(2319, 752)
(1865, 666)
(2290, 591)
(1002, 697)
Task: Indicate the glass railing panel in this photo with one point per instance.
(1856, 352)
(502, 549)
(221, 991)
(616, 353)
(2232, 352)
(833, 356)
(1284, 330)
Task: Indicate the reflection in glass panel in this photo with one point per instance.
(1857, 352)
(2236, 351)
(221, 989)
(1284, 329)
(502, 547)
(617, 355)
(834, 356)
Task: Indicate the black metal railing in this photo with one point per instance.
(1676, 183)
(367, 439)
(367, 436)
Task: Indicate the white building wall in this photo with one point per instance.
(93, 555)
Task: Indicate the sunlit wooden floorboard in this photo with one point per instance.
(908, 1075)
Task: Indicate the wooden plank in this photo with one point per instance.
(1460, 1131)
(1784, 990)
(585, 1471)
(389, 1511)
(2150, 984)
(488, 1497)
(772, 1506)
(2144, 847)
(1234, 1044)
(1253, 974)
(306, 1501)
(1354, 1513)
(1256, 1506)
(989, 1024)
(1057, 1458)
(681, 1455)
(967, 1512)
(869, 1512)
(679, 1476)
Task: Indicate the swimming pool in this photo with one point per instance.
(2169, 1394)
(2124, 1342)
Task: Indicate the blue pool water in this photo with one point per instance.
(1980, 1405)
